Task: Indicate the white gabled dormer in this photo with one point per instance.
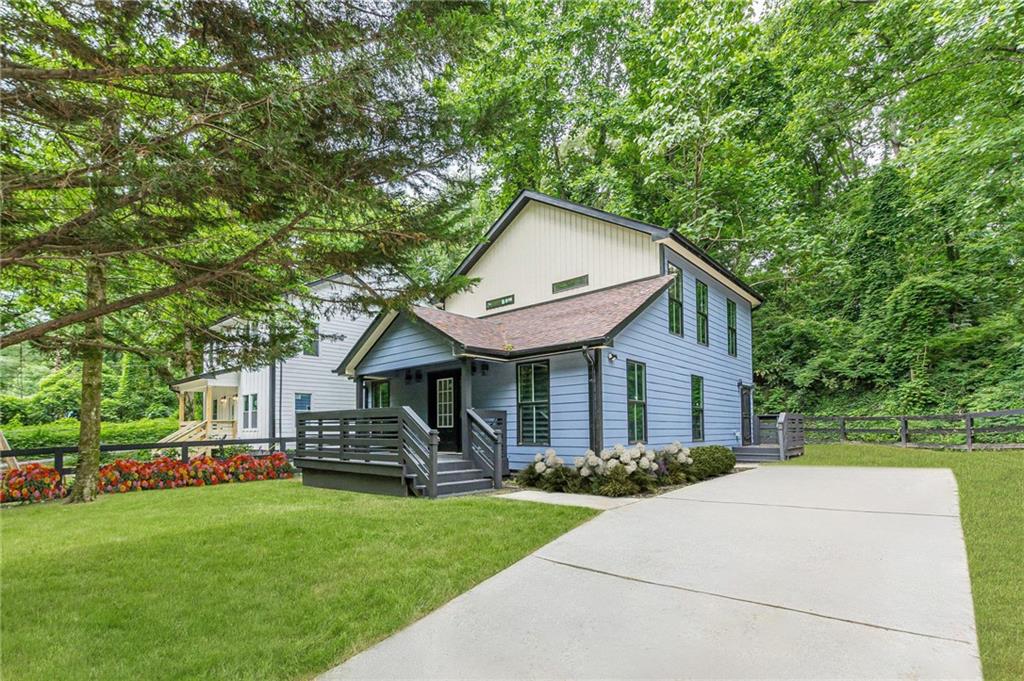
(543, 248)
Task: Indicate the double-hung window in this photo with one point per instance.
(378, 394)
(702, 313)
(533, 403)
(636, 401)
(312, 348)
(249, 411)
(697, 408)
(730, 316)
(675, 301)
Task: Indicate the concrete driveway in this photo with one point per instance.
(779, 572)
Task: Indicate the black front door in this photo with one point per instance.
(444, 407)
(745, 427)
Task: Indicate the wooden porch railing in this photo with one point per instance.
(487, 443)
(394, 435)
(784, 430)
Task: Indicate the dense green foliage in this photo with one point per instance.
(992, 530)
(858, 162)
(64, 432)
(131, 390)
(266, 580)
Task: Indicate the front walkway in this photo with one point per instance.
(779, 572)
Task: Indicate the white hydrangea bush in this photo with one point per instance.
(617, 471)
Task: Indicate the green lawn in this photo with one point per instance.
(992, 512)
(263, 580)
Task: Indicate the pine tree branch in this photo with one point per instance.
(18, 251)
(40, 330)
(15, 71)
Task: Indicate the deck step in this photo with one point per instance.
(459, 475)
(447, 489)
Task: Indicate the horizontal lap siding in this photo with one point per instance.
(671, 361)
(315, 375)
(570, 434)
(405, 344)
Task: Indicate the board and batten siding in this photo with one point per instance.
(570, 410)
(671, 360)
(405, 344)
(544, 245)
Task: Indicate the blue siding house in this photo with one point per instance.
(584, 330)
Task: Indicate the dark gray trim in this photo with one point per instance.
(656, 233)
(519, 415)
(465, 402)
(377, 321)
(272, 411)
(646, 432)
(360, 396)
(595, 397)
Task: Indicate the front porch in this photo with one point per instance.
(391, 450)
(211, 411)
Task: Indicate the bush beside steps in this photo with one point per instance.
(624, 471)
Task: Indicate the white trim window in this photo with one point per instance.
(250, 413)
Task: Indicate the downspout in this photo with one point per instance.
(280, 398)
(272, 425)
(595, 399)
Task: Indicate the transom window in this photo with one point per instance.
(702, 313)
(533, 403)
(446, 402)
(636, 401)
(378, 394)
(569, 284)
(675, 301)
(730, 316)
(500, 302)
(697, 407)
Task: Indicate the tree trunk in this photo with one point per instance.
(87, 474)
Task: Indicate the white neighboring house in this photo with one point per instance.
(262, 402)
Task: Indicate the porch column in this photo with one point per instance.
(359, 392)
(467, 401)
(208, 409)
(181, 406)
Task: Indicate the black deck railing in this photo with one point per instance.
(486, 443)
(395, 435)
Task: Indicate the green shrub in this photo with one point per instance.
(64, 432)
(617, 482)
(711, 460)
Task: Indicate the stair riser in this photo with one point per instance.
(459, 476)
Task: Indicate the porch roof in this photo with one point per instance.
(220, 377)
(590, 318)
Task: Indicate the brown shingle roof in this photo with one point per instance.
(581, 318)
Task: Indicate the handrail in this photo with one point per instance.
(481, 423)
(485, 445)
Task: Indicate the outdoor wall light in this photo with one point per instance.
(408, 376)
(612, 357)
(484, 366)
(419, 375)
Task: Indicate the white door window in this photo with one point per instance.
(445, 402)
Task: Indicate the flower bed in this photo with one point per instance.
(623, 471)
(36, 482)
